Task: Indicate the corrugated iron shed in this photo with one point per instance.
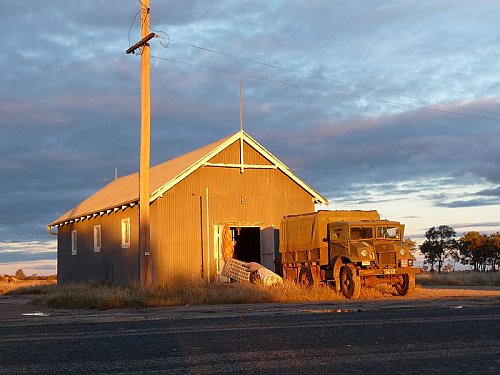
(234, 182)
(125, 190)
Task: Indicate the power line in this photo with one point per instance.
(330, 79)
(244, 75)
(132, 25)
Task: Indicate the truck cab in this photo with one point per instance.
(374, 252)
(369, 244)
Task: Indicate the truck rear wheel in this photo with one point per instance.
(350, 283)
(406, 285)
(305, 277)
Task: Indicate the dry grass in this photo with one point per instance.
(106, 296)
(461, 278)
(6, 286)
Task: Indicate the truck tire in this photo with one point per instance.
(305, 277)
(350, 283)
(406, 286)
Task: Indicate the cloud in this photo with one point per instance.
(28, 251)
(37, 267)
(476, 225)
(70, 107)
(495, 192)
(469, 203)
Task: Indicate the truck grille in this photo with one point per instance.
(386, 259)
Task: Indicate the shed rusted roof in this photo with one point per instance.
(124, 191)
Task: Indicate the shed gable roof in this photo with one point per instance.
(124, 191)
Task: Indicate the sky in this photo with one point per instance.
(378, 104)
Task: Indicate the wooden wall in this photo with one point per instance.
(182, 222)
(111, 263)
(181, 239)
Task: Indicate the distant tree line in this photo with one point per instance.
(20, 275)
(479, 251)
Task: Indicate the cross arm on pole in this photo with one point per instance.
(140, 43)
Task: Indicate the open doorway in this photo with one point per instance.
(246, 243)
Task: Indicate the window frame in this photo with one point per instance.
(361, 229)
(74, 242)
(97, 238)
(125, 233)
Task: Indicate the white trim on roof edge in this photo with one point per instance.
(318, 198)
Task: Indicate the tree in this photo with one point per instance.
(20, 274)
(412, 245)
(439, 245)
(427, 248)
(495, 251)
(476, 249)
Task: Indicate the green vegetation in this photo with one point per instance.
(461, 278)
(479, 251)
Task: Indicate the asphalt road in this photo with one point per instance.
(390, 336)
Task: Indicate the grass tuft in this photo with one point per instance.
(108, 296)
(16, 286)
(104, 296)
(459, 278)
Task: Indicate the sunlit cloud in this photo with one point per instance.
(37, 267)
(369, 114)
(14, 252)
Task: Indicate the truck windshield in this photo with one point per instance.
(361, 233)
(388, 232)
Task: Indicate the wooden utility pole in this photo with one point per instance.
(145, 263)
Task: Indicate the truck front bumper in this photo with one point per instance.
(389, 271)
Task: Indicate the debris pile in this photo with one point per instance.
(239, 271)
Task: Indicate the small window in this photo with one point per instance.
(126, 233)
(335, 233)
(97, 238)
(74, 242)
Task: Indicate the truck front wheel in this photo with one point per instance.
(350, 283)
(405, 285)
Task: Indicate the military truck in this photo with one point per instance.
(347, 250)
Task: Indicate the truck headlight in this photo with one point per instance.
(364, 253)
(402, 251)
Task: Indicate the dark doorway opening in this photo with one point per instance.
(247, 243)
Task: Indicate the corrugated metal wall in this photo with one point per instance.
(258, 197)
(182, 222)
(111, 263)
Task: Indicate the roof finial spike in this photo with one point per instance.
(241, 108)
(241, 128)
